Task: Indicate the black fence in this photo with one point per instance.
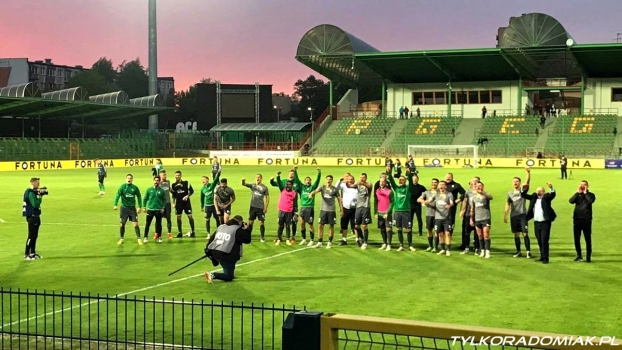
(42, 320)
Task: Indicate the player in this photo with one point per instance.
(154, 203)
(481, 218)
(207, 201)
(457, 192)
(102, 173)
(293, 177)
(430, 214)
(328, 213)
(223, 199)
(182, 191)
(410, 165)
(260, 201)
(383, 207)
(349, 194)
(216, 169)
(362, 214)
(129, 195)
(401, 209)
(516, 206)
(465, 214)
(165, 184)
(286, 209)
(307, 204)
(155, 171)
(443, 202)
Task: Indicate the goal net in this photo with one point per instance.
(445, 151)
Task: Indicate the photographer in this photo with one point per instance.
(225, 248)
(32, 211)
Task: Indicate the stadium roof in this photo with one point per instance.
(534, 46)
(248, 127)
(26, 101)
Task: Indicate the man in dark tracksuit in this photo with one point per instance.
(225, 248)
(543, 215)
(31, 210)
(416, 190)
(582, 220)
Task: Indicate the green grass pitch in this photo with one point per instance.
(80, 230)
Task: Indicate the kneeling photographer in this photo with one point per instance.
(32, 211)
(225, 248)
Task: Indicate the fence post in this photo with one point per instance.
(301, 331)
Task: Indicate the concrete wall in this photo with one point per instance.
(19, 70)
(402, 95)
(349, 101)
(598, 96)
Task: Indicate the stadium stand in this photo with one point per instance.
(508, 136)
(583, 136)
(354, 136)
(424, 131)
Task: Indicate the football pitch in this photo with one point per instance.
(80, 230)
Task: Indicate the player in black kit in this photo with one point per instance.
(182, 191)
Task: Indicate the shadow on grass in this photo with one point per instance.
(286, 278)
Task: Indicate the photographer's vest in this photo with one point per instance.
(215, 167)
(225, 239)
(27, 208)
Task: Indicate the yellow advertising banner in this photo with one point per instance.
(451, 163)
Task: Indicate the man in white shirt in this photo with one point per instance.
(349, 195)
(543, 215)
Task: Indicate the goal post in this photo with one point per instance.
(445, 151)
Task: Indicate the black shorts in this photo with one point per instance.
(307, 215)
(128, 214)
(401, 219)
(285, 218)
(167, 211)
(362, 216)
(466, 224)
(183, 207)
(429, 223)
(384, 223)
(480, 224)
(328, 218)
(256, 214)
(100, 179)
(348, 215)
(443, 225)
(210, 211)
(224, 210)
(518, 223)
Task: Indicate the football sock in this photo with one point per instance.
(481, 244)
(122, 232)
(359, 233)
(527, 243)
(409, 238)
(279, 233)
(294, 227)
(400, 237)
(430, 239)
(100, 187)
(262, 231)
(384, 236)
(103, 187)
(303, 233)
(487, 244)
(448, 246)
(366, 235)
(311, 234)
(137, 231)
(476, 242)
(389, 237)
(191, 220)
(442, 246)
(330, 238)
(517, 243)
(436, 242)
(320, 240)
(179, 225)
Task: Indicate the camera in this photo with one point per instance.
(42, 191)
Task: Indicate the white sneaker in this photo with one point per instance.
(120, 241)
(466, 251)
(303, 242)
(388, 248)
(442, 252)
(401, 248)
(477, 251)
(328, 245)
(262, 240)
(412, 249)
(447, 253)
(311, 243)
(364, 246)
(482, 254)
(159, 240)
(145, 240)
(318, 245)
(487, 254)
(384, 246)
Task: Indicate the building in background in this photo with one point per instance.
(282, 104)
(47, 75)
(166, 86)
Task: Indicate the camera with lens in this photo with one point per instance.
(42, 191)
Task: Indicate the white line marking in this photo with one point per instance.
(2, 221)
(148, 288)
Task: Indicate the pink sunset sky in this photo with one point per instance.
(248, 41)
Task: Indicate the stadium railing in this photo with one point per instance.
(42, 319)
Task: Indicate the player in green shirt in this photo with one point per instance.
(307, 204)
(296, 185)
(154, 203)
(207, 201)
(401, 208)
(129, 195)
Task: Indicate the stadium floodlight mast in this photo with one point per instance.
(435, 153)
(312, 126)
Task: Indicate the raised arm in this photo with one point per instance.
(391, 201)
(278, 181)
(317, 179)
(392, 181)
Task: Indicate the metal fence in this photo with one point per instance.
(34, 319)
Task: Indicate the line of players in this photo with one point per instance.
(395, 206)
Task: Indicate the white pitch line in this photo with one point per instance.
(2, 221)
(148, 288)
